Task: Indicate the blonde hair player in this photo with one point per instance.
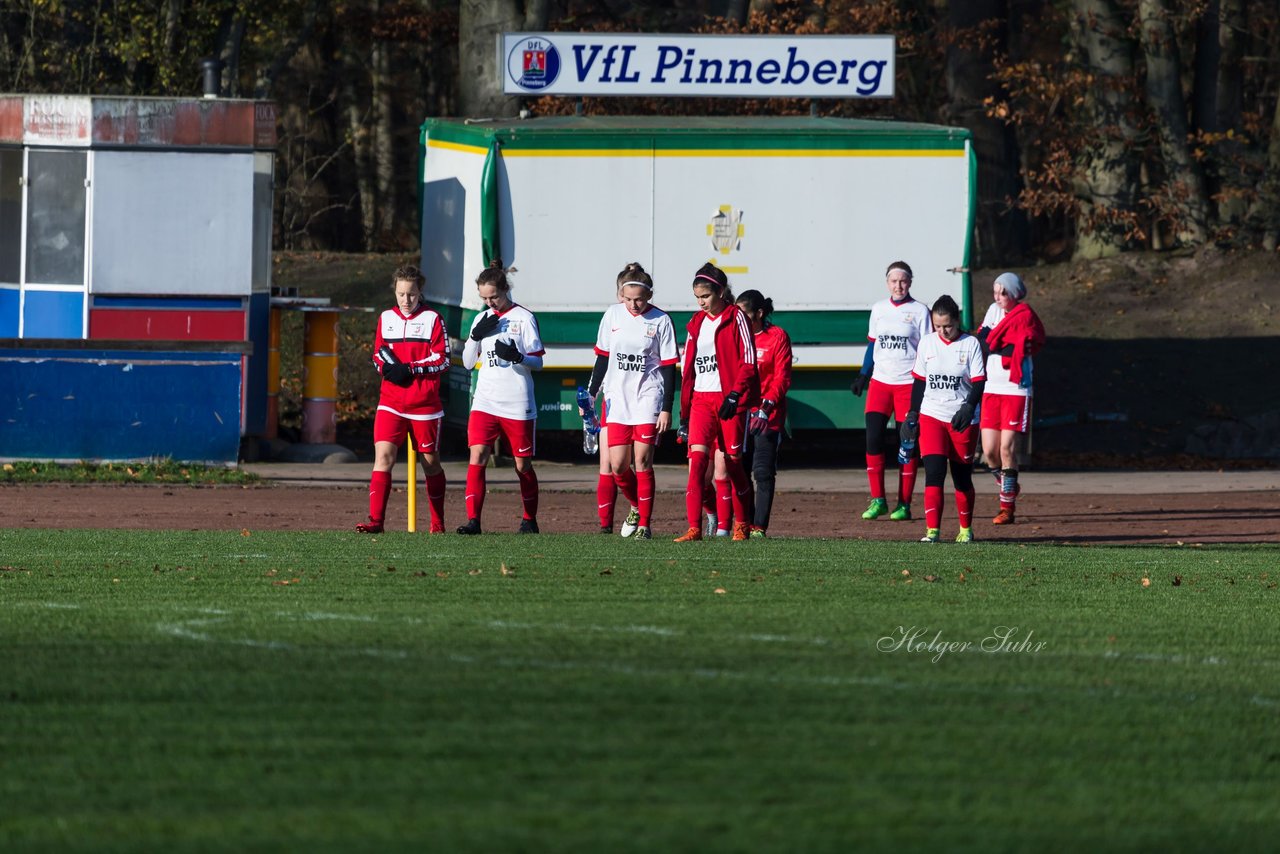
(635, 366)
(504, 343)
(410, 350)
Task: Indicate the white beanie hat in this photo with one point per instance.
(1012, 284)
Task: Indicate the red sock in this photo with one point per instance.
(646, 486)
(744, 496)
(606, 498)
(475, 491)
(964, 507)
(379, 489)
(907, 480)
(436, 484)
(693, 493)
(529, 492)
(627, 485)
(875, 474)
(933, 502)
(724, 503)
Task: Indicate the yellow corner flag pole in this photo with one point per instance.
(413, 489)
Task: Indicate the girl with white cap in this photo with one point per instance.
(1011, 334)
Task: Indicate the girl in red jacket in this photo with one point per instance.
(410, 350)
(1011, 334)
(719, 387)
(766, 422)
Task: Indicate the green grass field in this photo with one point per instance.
(310, 692)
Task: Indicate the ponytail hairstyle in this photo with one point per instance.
(713, 277)
(947, 307)
(496, 274)
(410, 273)
(900, 265)
(634, 274)
(756, 301)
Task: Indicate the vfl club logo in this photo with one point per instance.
(725, 229)
(533, 64)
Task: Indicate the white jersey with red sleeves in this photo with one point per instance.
(419, 341)
(897, 331)
(504, 389)
(998, 381)
(638, 346)
(949, 370)
(706, 372)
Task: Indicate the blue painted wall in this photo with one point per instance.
(98, 404)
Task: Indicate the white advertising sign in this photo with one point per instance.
(620, 64)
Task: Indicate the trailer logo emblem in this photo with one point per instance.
(533, 64)
(726, 229)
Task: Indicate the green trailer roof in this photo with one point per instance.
(695, 132)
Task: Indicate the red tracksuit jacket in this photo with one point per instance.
(735, 359)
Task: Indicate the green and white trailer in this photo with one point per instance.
(807, 210)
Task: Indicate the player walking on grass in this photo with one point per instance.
(636, 367)
(896, 327)
(410, 350)
(947, 385)
(767, 421)
(505, 345)
(1011, 334)
(719, 388)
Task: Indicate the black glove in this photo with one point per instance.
(757, 422)
(486, 327)
(398, 373)
(507, 351)
(859, 384)
(909, 429)
(729, 406)
(682, 435)
(963, 417)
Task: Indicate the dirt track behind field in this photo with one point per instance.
(1154, 507)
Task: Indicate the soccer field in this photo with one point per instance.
(323, 691)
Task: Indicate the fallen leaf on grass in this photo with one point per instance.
(1146, 582)
(506, 570)
(244, 532)
(931, 578)
(606, 571)
(906, 572)
(1177, 581)
(721, 590)
(474, 571)
(440, 574)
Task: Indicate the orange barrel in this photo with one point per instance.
(320, 377)
(273, 375)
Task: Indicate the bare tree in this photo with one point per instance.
(480, 24)
(1109, 172)
(1184, 183)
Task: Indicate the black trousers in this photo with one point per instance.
(762, 454)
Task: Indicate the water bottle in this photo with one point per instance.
(1026, 373)
(590, 426)
(905, 448)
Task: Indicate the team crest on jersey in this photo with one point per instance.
(514, 326)
(650, 330)
(415, 329)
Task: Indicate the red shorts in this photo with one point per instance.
(706, 428)
(604, 413)
(1006, 412)
(888, 399)
(625, 434)
(392, 427)
(484, 429)
(937, 438)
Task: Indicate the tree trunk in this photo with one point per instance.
(480, 24)
(1002, 232)
(1108, 171)
(383, 159)
(1266, 210)
(1164, 96)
